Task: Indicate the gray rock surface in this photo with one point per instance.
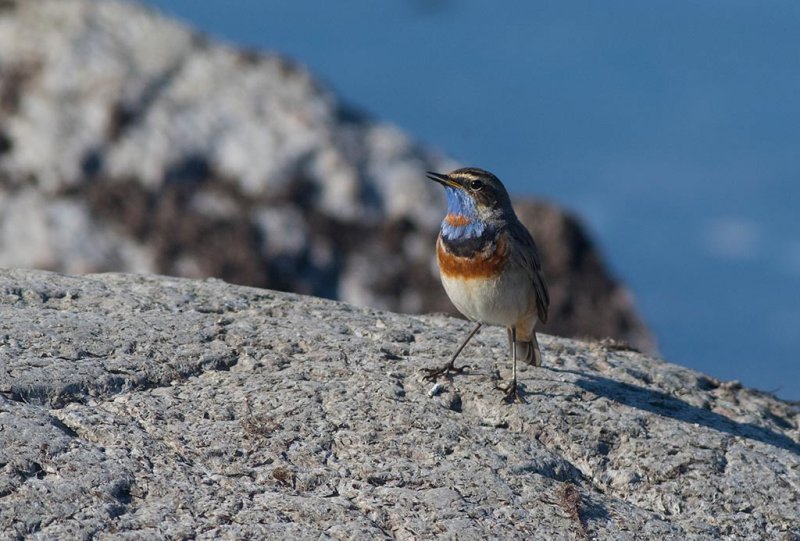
(130, 143)
(149, 407)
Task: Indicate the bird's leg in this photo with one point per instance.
(511, 390)
(450, 368)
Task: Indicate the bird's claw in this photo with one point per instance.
(432, 374)
(513, 393)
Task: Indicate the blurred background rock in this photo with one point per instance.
(130, 143)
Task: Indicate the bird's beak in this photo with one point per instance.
(444, 180)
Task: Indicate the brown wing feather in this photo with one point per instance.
(527, 255)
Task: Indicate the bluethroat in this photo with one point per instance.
(490, 267)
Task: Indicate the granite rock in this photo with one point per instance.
(131, 143)
(136, 406)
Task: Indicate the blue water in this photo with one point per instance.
(672, 128)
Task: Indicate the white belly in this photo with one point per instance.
(497, 301)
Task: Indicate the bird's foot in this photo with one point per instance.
(513, 393)
(450, 369)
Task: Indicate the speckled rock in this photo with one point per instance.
(149, 407)
(130, 143)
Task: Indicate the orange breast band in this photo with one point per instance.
(486, 264)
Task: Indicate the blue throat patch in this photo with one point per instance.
(459, 203)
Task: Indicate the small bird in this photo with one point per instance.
(490, 267)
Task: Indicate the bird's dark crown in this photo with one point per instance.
(481, 185)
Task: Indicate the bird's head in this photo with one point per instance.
(476, 199)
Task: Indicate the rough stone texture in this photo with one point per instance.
(149, 407)
(128, 142)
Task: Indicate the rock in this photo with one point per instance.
(130, 143)
(137, 406)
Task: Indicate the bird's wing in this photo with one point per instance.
(527, 255)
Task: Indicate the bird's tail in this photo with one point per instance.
(528, 350)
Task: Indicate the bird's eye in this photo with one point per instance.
(476, 185)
